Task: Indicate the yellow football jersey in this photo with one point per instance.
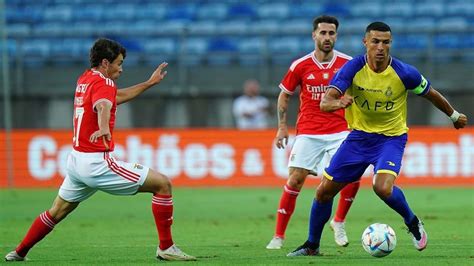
(380, 99)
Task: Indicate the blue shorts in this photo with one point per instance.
(361, 149)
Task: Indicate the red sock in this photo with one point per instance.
(346, 198)
(162, 207)
(42, 225)
(285, 209)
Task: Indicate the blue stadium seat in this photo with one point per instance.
(221, 51)
(337, 9)
(119, 12)
(88, 13)
(216, 11)
(18, 30)
(354, 26)
(252, 51)
(284, 45)
(424, 24)
(242, 10)
(62, 13)
(364, 9)
(460, 8)
(397, 24)
(181, 12)
(157, 50)
(194, 49)
(305, 10)
(202, 27)
(35, 52)
(429, 8)
(448, 41)
(83, 28)
(298, 26)
(233, 27)
(264, 27)
(50, 29)
(411, 41)
(453, 23)
(273, 11)
(399, 9)
(32, 14)
(143, 27)
(150, 11)
(172, 27)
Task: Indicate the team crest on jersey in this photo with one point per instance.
(292, 157)
(325, 75)
(138, 166)
(388, 92)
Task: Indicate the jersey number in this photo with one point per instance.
(78, 114)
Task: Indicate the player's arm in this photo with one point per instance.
(127, 94)
(333, 101)
(103, 117)
(438, 100)
(281, 139)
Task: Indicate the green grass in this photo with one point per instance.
(232, 226)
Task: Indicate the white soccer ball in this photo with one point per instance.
(379, 240)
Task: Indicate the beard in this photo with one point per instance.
(326, 47)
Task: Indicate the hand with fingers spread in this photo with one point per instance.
(101, 133)
(159, 74)
(345, 101)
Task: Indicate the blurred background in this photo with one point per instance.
(212, 47)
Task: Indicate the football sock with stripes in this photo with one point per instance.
(320, 213)
(41, 226)
(162, 207)
(398, 202)
(285, 209)
(346, 199)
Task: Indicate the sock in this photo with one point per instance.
(398, 202)
(285, 209)
(162, 207)
(42, 225)
(346, 199)
(320, 213)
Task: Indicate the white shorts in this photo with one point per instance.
(313, 152)
(88, 172)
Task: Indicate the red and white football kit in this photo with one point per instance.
(91, 166)
(318, 133)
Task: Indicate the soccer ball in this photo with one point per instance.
(379, 240)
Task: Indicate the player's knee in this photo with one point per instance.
(164, 184)
(322, 196)
(295, 182)
(383, 191)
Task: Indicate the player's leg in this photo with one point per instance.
(162, 208)
(320, 213)
(346, 198)
(387, 168)
(305, 155)
(287, 205)
(42, 226)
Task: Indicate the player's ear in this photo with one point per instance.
(105, 63)
(313, 35)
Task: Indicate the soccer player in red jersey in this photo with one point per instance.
(91, 165)
(318, 134)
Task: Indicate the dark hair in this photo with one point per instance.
(105, 49)
(325, 19)
(378, 26)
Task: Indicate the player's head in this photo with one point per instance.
(377, 40)
(107, 56)
(251, 87)
(325, 32)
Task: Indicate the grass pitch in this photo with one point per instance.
(224, 226)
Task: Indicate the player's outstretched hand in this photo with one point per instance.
(345, 101)
(159, 74)
(101, 133)
(281, 139)
(461, 122)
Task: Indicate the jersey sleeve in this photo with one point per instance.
(103, 90)
(343, 78)
(291, 80)
(411, 78)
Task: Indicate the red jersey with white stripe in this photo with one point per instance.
(92, 88)
(313, 78)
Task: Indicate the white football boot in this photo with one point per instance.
(173, 253)
(420, 237)
(340, 235)
(13, 256)
(276, 243)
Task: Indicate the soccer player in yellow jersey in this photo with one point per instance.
(373, 89)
